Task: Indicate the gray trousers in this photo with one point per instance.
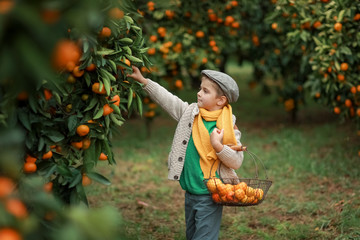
(203, 217)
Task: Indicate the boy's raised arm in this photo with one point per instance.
(169, 102)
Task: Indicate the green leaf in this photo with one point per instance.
(109, 152)
(133, 59)
(92, 104)
(76, 180)
(341, 15)
(107, 123)
(345, 50)
(29, 141)
(147, 62)
(89, 157)
(139, 104)
(116, 108)
(108, 75)
(158, 15)
(87, 78)
(122, 64)
(50, 170)
(130, 98)
(57, 97)
(112, 65)
(99, 113)
(107, 85)
(126, 41)
(304, 36)
(98, 177)
(85, 46)
(72, 122)
(41, 144)
(136, 28)
(78, 195)
(317, 41)
(127, 50)
(63, 170)
(129, 19)
(337, 66)
(33, 104)
(54, 136)
(105, 51)
(144, 50)
(115, 120)
(24, 119)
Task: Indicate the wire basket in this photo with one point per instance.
(239, 191)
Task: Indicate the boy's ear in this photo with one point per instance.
(222, 101)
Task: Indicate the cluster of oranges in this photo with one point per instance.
(30, 162)
(237, 194)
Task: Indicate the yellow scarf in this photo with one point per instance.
(201, 137)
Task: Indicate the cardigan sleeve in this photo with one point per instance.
(172, 104)
(232, 158)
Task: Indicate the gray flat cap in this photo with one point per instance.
(226, 83)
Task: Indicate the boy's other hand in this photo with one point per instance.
(216, 138)
(137, 76)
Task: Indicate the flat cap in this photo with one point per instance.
(226, 83)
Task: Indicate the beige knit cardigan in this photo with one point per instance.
(184, 114)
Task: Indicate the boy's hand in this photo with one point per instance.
(216, 138)
(137, 76)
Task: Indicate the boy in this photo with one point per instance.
(203, 138)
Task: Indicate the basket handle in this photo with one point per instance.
(253, 156)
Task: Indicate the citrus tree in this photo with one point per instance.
(63, 80)
(323, 38)
(63, 91)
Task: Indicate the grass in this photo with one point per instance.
(313, 164)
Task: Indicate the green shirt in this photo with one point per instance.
(192, 177)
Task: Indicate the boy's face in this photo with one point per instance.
(207, 96)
